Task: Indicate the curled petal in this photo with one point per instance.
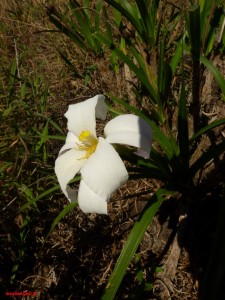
(130, 130)
(66, 167)
(81, 116)
(103, 173)
(89, 201)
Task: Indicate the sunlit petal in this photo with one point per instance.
(66, 167)
(130, 130)
(81, 116)
(103, 173)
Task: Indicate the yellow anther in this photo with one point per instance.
(89, 143)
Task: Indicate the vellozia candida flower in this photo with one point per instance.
(101, 168)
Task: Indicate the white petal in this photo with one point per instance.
(103, 173)
(89, 201)
(81, 116)
(66, 167)
(130, 130)
(71, 142)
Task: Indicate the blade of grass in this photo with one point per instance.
(70, 65)
(43, 137)
(61, 215)
(98, 8)
(56, 126)
(42, 195)
(56, 137)
(45, 193)
(73, 35)
(176, 56)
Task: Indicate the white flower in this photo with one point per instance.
(101, 168)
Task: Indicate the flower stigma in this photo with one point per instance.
(89, 143)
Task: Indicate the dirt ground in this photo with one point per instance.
(77, 259)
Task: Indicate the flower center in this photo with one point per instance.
(89, 143)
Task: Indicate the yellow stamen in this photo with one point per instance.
(89, 143)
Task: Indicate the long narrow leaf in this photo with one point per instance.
(206, 129)
(98, 8)
(127, 10)
(157, 167)
(45, 193)
(61, 215)
(176, 57)
(73, 35)
(218, 76)
(211, 153)
(42, 195)
(133, 242)
(138, 72)
(70, 64)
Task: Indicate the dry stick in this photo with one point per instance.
(17, 60)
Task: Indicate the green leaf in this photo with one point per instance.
(218, 76)
(61, 215)
(56, 137)
(54, 124)
(164, 75)
(98, 8)
(206, 129)
(148, 14)
(137, 71)
(160, 162)
(43, 138)
(73, 35)
(176, 56)
(70, 65)
(107, 25)
(211, 153)
(132, 243)
(42, 195)
(129, 11)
